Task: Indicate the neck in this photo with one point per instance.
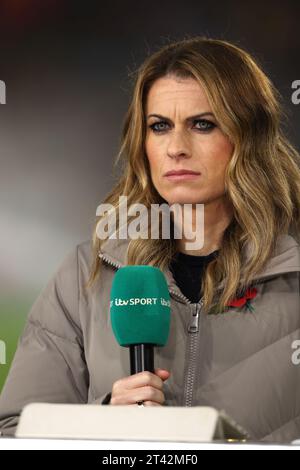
(217, 217)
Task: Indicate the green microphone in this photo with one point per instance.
(140, 313)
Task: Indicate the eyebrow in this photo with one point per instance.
(190, 118)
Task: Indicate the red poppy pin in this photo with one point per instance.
(244, 300)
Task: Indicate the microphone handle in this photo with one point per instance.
(141, 358)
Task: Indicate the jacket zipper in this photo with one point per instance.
(108, 261)
(193, 342)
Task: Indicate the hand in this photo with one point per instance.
(144, 386)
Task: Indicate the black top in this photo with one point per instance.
(188, 270)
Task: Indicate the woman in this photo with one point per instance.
(201, 105)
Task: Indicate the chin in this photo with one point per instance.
(183, 199)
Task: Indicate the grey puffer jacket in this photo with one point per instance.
(239, 361)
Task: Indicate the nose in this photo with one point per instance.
(177, 147)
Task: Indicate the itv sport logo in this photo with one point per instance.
(140, 301)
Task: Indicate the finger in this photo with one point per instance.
(151, 403)
(158, 369)
(163, 374)
(149, 393)
(139, 380)
(146, 393)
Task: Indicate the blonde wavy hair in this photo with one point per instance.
(262, 178)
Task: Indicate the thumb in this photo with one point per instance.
(162, 373)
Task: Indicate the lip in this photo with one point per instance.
(181, 172)
(181, 175)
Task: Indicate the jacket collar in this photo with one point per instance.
(285, 259)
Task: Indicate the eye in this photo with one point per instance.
(205, 126)
(155, 129)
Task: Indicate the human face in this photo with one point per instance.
(176, 143)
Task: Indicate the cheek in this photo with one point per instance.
(153, 156)
(217, 156)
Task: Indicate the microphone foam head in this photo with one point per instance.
(140, 306)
